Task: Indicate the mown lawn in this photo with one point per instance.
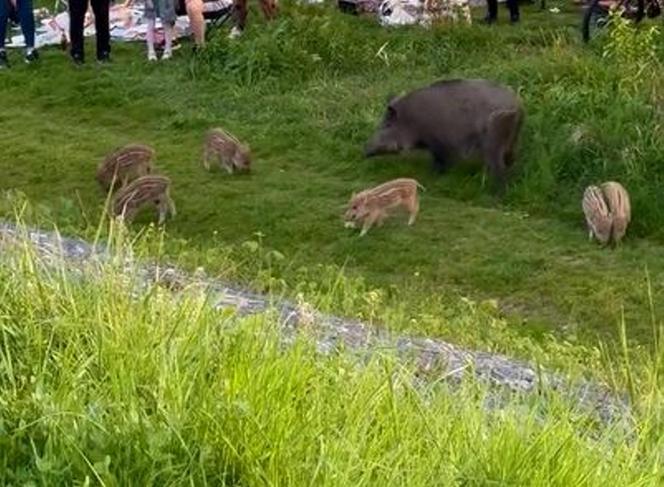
(307, 92)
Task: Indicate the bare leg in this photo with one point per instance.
(149, 38)
(196, 21)
(168, 40)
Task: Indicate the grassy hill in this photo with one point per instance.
(306, 92)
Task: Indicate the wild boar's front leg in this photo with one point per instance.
(370, 219)
(206, 156)
(440, 162)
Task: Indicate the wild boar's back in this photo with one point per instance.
(452, 111)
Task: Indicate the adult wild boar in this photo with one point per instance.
(454, 119)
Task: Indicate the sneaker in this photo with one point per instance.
(235, 33)
(152, 56)
(489, 20)
(4, 62)
(166, 55)
(31, 56)
(104, 57)
(77, 59)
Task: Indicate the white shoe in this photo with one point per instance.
(166, 55)
(235, 33)
(152, 56)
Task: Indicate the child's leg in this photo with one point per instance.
(168, 18)
(169, 31)
(27, 20)
(149, 38)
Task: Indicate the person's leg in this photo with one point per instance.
(196, 21)
(77, 9)
(513, 6)
(149, 38)
(492, 10)
(101, 8)
(168, 18)
(4, 19)
(240, 15)
(27, 19)
(169, 32)
(269, 8)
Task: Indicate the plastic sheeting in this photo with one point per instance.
(423, 12)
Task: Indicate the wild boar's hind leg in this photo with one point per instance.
(498, 145)
(413, 206)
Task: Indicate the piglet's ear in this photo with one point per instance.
(391, 112)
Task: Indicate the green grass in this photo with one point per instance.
(306, 93)
(100, 385)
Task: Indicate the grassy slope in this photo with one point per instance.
(100, 385)
(307, 131)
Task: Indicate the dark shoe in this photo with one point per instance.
(489, 20)
(514, 18)
(31, 56)
(104, 57)
(77, 59)
(4, 62)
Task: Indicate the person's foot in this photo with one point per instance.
(152, 56)
(4, 62)
(514, 18)
(31, 56)
(104, 57)
(235, 33)
(166, 55)
(77, 59)
(488, 20)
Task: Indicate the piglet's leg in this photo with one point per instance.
(368, 223)
(413, 207)
(162, 206)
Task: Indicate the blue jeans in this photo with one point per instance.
(26, 19)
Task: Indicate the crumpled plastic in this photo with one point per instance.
(423, 12)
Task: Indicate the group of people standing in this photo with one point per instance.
(21, 11)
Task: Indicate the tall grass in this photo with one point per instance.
(103, 384)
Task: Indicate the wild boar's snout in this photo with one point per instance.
(378, 144)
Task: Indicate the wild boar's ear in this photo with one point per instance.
(391, 112)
